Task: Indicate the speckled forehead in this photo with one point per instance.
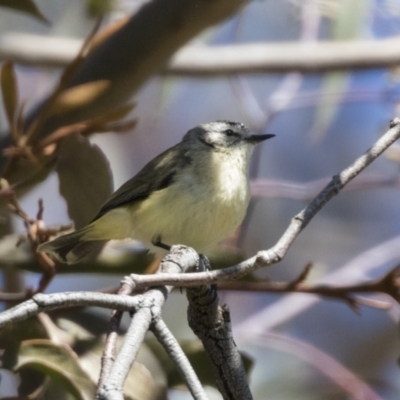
(220, 126)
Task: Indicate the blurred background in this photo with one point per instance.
(302, 346)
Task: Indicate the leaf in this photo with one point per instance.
(77, 96)
(12, 335)
(26, 6)
(9, 91)
(58, 362)
(85, 179)
(114, 114)
(346, 25)
(198, 358)
(98, 8)
(140, 383)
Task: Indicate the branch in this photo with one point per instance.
(110, 347)
(198, 61)
(179, 260)
(389, 284)
(268, 257)
(256, 58)
(46, 302)
(305, 191)
(212, 324)
(174, 350)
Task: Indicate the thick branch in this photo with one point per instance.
(246, 58)
(212, 324)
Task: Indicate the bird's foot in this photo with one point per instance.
(158, 243)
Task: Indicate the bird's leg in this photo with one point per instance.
(158, 243)
(204, 264)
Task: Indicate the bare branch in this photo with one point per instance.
(179, 260)
(246, 58)
(212, 324)
(110, 350)
(174, 350)
(46, 302)
(305, 191)
(389, 284)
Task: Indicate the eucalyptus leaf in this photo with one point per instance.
(346, 25)
(58, 362)
(85, 179)
(25, 6)
(9, 90)
(198, 358)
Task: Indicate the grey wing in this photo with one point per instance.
(156, 175)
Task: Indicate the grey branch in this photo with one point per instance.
(212, 324)
(305, 191)
(221, 60)
(110, 346)
(46, 302)
(173, 349)
(179, 260)
(275, 254)
(112, 388)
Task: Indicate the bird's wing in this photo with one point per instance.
(156, 175)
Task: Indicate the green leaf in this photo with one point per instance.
(58, 362)
(141, 383)
(12, 335)
(98, 8)
(346, 26)
(85, 178)
(9, 91)
(25, 6)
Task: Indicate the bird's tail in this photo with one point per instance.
(71, 248)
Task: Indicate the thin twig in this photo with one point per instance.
(175, 352)
(389, 284)
(110, 347)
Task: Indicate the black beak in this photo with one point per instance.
(254, 139)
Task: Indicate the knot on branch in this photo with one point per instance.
(267, 257)
(394, 122)
(180, 259)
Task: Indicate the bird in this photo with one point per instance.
(196, 193)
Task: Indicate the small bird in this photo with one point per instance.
(196, 193)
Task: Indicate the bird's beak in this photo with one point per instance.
(254, 139)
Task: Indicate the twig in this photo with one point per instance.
(352, 385)
(175, 352)
(109, 352)
(36, 233)
(270, 188)
(389, 284)
(268, 257)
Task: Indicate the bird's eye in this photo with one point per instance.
(229, 132)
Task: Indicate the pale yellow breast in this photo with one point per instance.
(202, 207)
